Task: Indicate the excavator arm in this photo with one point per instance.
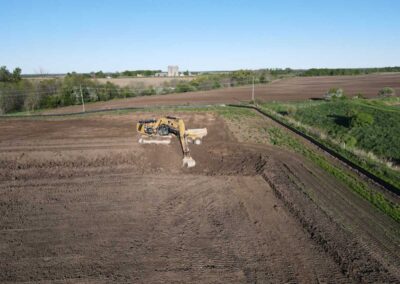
(177, 127)
(187, 159)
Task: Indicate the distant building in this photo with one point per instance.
(173, 71)
(161, 74)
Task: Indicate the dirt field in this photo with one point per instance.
(142, 81)
(293, 89)
(82, 201)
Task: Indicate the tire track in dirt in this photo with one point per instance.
(373, 228)
(357, 260)
(155, 229)
(133, 214)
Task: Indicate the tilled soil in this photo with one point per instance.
(293, 89)
(82, 201)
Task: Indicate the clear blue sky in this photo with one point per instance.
(62, 36)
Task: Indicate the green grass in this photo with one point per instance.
(382, 137)
(22, 113)
(235, 113)
(367, 132)
(280, 138)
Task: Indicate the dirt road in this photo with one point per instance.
(82, 201)
(299, 88)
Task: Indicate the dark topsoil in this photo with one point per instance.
(82, 201)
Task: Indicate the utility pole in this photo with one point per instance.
(252, 92)
(83, 103)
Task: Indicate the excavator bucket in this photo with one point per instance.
(188, 162)
(197, 132)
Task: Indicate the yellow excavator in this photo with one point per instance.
(161, 130)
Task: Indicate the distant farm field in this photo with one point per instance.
(293, 89)
(130, 81)
(143, 81)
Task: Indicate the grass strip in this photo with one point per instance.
(280, 138)
(375, 166)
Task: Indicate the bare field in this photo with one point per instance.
(82, 201)
(293, 89)
(143, 81)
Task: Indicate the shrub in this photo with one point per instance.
(361, 119)
(12, 95)
(359, 96)
(263, 79)
(184, 87)
(387, 92)
(216, 85)
(350, 141)
(147, 92)
(286, 110)
(334, 93)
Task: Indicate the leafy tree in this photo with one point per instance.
(100, 74)
(12, 96)
(5, 75)
(334, 93)
(32, 101)
(263, 79)
(16, 75)
(387, 92)
(148, 73)
(361, 119)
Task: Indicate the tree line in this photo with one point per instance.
(7, 76)
(21, 94)
(347, 71)
(126, 73)
(17, 94)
